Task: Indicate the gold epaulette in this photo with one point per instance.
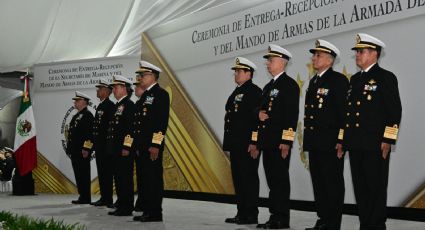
(391, 132)
(341, 134)
(128, 141)
(288, 135)
(254, 136)
(157, 138)
(88, 144)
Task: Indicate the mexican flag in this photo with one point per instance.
(25, 140)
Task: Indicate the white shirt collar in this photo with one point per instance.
(368, 68)
(321, 73)
(118, 101)
(278, 75)
(150, 87)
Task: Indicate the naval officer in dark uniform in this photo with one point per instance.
(323, 119)
(373, 114)
(278, 115)
(149, 133)
(80, 130)
(240, 121)
(138, 92)
(119, 144)
(104, 112)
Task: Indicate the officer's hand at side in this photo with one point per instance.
(253, 151)
(339, 151)
(153, 153)
(262, 115)
(125, 152)
(385, 147)
(85, 153)
(284, 150)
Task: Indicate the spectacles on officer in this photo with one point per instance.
(145, 74)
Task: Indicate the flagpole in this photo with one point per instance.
(25, 143)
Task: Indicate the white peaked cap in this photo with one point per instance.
(278, 51)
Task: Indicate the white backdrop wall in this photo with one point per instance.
(207, 78)
(54, 87)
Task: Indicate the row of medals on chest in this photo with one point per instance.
(368, 97)
(144, 114)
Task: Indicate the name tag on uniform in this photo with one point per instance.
(149, 100)
(274, 93)
(239, 97)
(370, 87)
(322, 91)
(100, 112)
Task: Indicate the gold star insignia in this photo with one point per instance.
(300, 83)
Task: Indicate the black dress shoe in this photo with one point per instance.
(321, 227)
(112, 213)
(110, 205)
(149, 218)
(247, 220)
(233, 220)
(273, 224)
(120, 213)
(124, 213)
(138, 209)
(80, 202)
(318, 227)
(99, 203)
(138, 218)
(94, 203)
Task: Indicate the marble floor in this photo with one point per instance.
(178, 215)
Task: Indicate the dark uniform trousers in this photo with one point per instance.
(80, 129)
(141, 198)
(324, 116)
(280, 100)
(373, 116)
(104, 163)
(240, 121)
(123, 166)
(150, 125)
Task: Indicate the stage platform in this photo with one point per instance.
(178, 215)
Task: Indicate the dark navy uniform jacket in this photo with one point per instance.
(151, 119)
(241, 117)
(104, 112)
(280, 99)
(80, 130)
(121, 122)
(373, 110)
(324, 110)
